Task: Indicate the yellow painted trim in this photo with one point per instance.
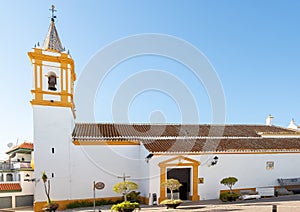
(52, 93)
(275, 152)
(38, 55)
(191, 163)
(64, 63)
(231, 153)
(38, 206)
(163, 178)
(49, 103)
(238, 190)
(180, 164)
(195, 196)
(108, 142)
(279, 133)
(180, 157)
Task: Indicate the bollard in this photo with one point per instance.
(274, 208)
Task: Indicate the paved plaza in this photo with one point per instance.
(283, 203)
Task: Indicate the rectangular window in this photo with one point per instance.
(52, 150)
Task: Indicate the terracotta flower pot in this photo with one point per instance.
(52, 207)
(128, 209)
(173, 206)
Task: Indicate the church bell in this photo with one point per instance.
(52, 83)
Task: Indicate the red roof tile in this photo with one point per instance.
(25, 145)
(10, 187)
(223, 145)
(173, 138)
(85, 130)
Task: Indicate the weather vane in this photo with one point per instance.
(52, 12)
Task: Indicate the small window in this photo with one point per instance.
(9, 177)
(52, 150)
(52, 81)
(52, 175)
(270, 165)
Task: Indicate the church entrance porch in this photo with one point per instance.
(186, 171)
(183, 175)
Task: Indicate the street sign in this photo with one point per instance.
(99, 185)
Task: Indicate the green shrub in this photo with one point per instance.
(85, 203)
(229, 181)
(125, 205)
(133, 196)
(79, 204)
(124, 188)
(110, 202)
(225, 197)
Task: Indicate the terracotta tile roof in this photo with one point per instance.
(25, 145)
(223, 145)
(87, 130)
(6, 187)
(172, 138)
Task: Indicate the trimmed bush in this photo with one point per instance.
(225, 197)
(229, 181)
(125, 205)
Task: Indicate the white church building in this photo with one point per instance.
(74, 155)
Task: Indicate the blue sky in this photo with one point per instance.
(253, 45)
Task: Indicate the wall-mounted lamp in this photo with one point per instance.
(27, 178)
(214, 161)
(148, 157)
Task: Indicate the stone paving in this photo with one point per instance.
(283, 204)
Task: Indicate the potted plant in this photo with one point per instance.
(172, 185)
(50, 206)
(229, 196)
(125, 206)
(133, 196)
(125, 188)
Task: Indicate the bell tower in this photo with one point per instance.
(53, 114)
(53, 71)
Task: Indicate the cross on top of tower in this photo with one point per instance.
(53, 10)
(52, 40)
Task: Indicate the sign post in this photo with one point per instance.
(98, 186)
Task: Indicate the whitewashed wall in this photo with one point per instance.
(105, 164)
(76, 167)
(52, 129)
(250, 169)
(27, 157)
